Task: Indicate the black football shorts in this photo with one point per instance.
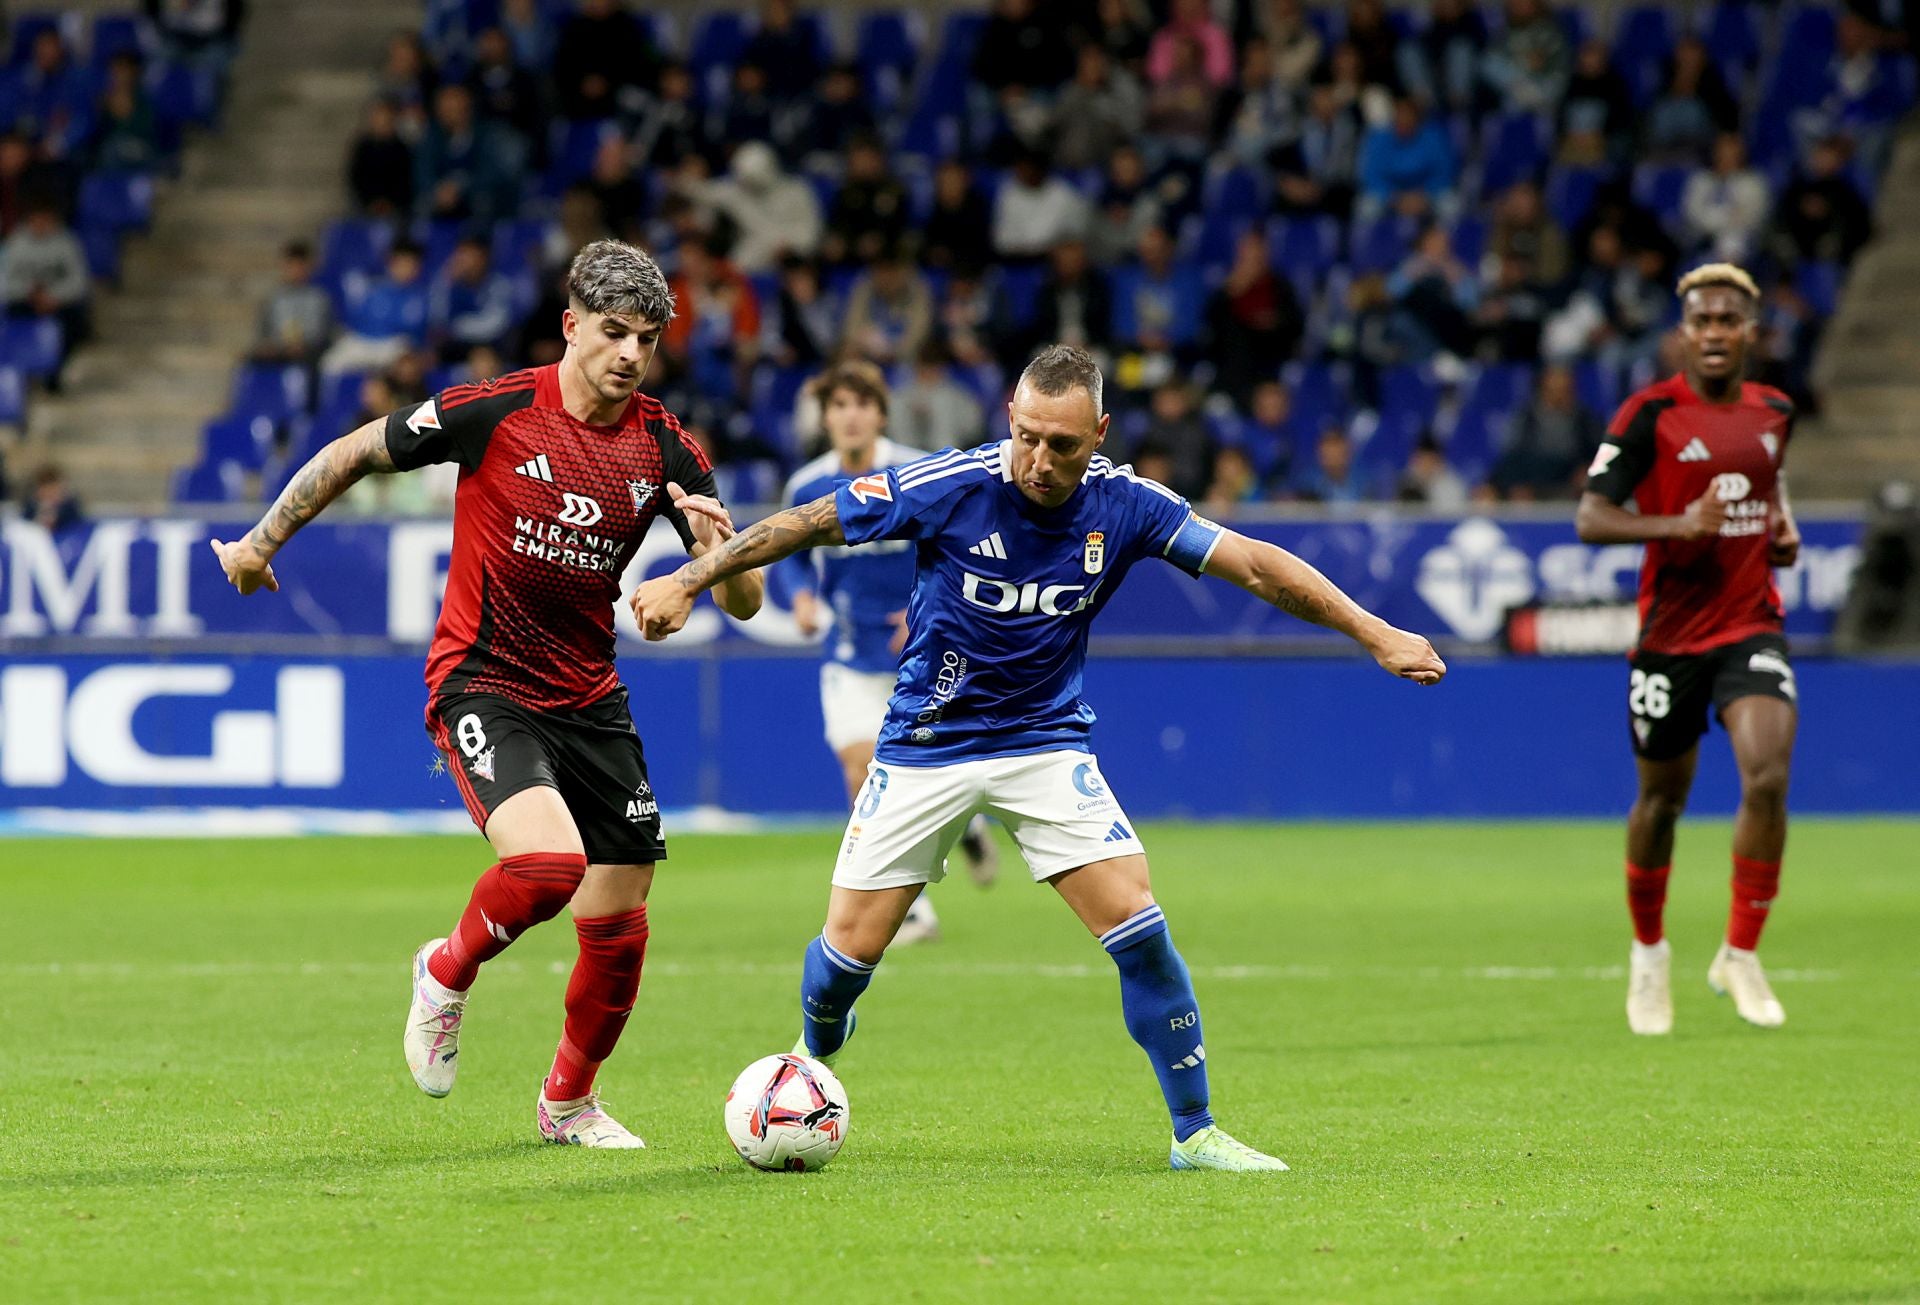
(592, 756)
(1668, 694)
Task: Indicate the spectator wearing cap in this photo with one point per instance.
(296, 320)
(772, 213)
(1406, 167)
(43, 274)
(869, 212)
(1550, 443)
(603, 55)
(385, 319)
(889, 311)
(1035, 211)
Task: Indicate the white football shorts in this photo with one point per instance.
(853, 703)
(906, 819)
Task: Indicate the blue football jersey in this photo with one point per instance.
(1004, 591)
(864, 586)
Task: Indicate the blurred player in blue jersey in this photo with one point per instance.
(862, 593)
(1018, 546)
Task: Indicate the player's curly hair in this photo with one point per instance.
(857, 376)
(611, 276)
(1059, 368)
(1730, 275)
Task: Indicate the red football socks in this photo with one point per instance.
(1647, 900)
(600, 996)
(1755, 883)
(512, 897)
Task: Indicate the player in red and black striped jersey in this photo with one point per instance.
(562, 471)
(1701, 456)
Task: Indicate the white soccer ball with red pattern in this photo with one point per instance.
(787, 1112)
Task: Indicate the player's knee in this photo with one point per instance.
(546, 881)
(1764, 784)
(1662, 807)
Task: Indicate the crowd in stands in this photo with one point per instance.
(91, 113)
(1325, 252)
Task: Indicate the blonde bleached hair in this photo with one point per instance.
(1727, 274)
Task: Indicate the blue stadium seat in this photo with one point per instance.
(1470, 239)
(1379, 245)
(13, 396)
(1570, 193)
(274, 392)
(1661, 186)
(241, 439)
(185, 94)
(116, 201)
(1513, 148)
(1020, 290)
(889, 38)
(103, 253)
(717, 42)
(1732, 34)
(1598, 386)
(517, 243)
(1641, 43)
(1305, 245)
(27, 28)
(937, 120)
(1820, 283)
(115, 34)
(33, 344)
(1319, 393)
(573, 146)
(207, 481)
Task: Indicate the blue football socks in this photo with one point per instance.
(1156, 996)
(830, 982)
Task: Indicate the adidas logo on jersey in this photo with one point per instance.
(990, 547)
(1118, 834)
(1696, 451)
(536, 468)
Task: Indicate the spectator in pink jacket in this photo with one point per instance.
(1191, 20)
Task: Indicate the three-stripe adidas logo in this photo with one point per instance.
(1696, 451)
(537, 468)
(1118, 834)
(1192, 1061)
(990, 547)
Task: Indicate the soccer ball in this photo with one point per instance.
(786, 1112)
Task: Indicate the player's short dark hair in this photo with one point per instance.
(857, 377)
(611, 276)
(1060, 368)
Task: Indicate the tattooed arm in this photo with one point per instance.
(1276, 576)
(661, 605)
(248, 560)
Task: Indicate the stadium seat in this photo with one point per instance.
(274, 392)
(1642, 41)
(1470, 239)
(889, 39)
(1820, 282)
(1732, 34)
(1570, 193)
(207, 481)
(13, 396)
(185, 94)
(1379, 245)
(116, 201)
(1661, 186)
(115, 34)
(716, 44)
(246, 440)
(1020, 290)
(573, 146)
(1319, 393)
(103, 252)
(27, 27)
(1512, 148)
(33, 344)
(1304, 245)
(1598, 386)
(518, 244)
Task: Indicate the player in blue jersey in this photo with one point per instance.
(1018, 547)
(862, 593)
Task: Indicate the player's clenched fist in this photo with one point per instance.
(246, 566)
(1409, 656)
(1705, 515)
(661, 606)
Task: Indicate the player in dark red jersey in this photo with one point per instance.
(1701, 454)
(562, 471)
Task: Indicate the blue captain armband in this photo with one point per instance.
(1193, 544)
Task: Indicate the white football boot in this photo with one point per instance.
(433, 1027)
(978, 851)
(1213, 1148)
(583, 1123)
(1649, 990)
(921, 924)
(1738, 974)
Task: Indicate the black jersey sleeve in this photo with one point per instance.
(454, 425)
(688, 467)
(1627, 453)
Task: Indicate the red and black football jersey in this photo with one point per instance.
(548, 514)
(1666, 447)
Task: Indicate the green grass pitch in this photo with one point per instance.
(202, 1095)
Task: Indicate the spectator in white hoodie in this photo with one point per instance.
(774, 214)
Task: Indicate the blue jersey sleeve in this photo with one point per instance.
(1169, 527)
(906, 502)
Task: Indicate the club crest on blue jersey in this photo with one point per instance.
(1096, 552)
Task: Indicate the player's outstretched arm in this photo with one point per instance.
(661, 605)
(248, 560)
(739, 597)
(1276, 576)
(1599, 520)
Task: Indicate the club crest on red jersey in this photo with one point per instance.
(642, 491)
